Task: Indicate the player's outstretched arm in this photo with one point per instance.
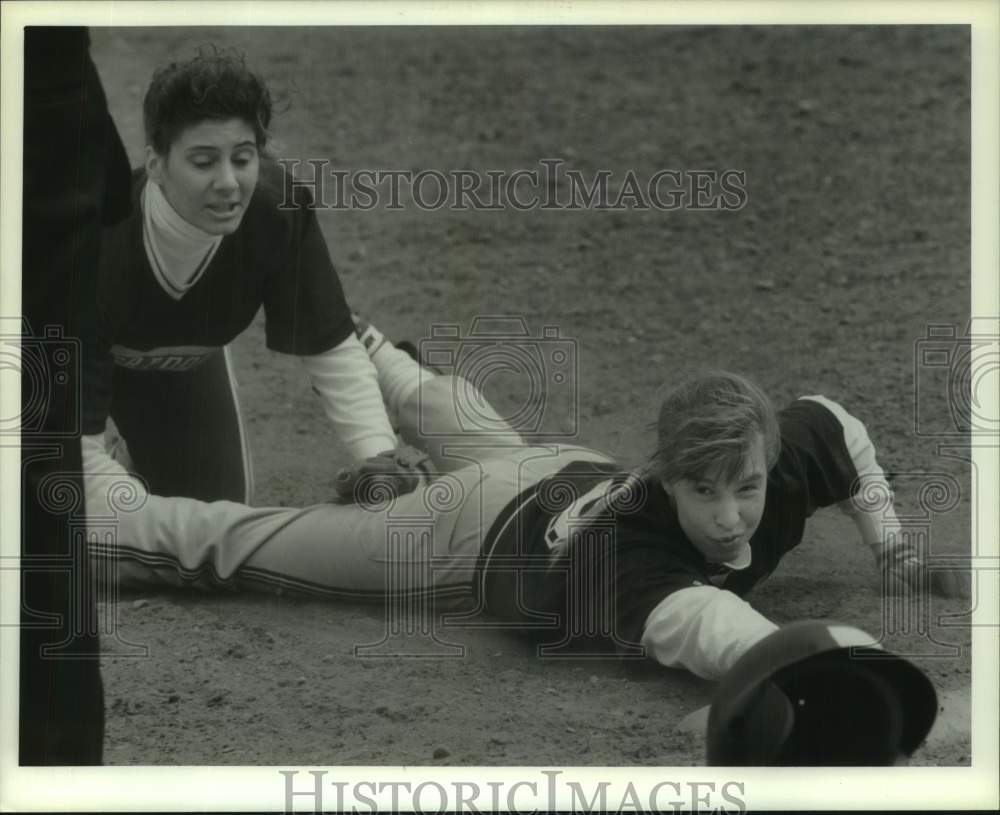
(703, 629)
(871, 508)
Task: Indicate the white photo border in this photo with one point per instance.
(262, 788)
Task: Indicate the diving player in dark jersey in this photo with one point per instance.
(558, 539)
(663, 558)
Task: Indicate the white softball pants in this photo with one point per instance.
(426, 541)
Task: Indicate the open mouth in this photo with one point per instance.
(225, 210)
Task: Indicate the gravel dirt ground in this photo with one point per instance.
(854, 238)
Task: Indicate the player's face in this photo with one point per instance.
(209, 174)
(719, 516)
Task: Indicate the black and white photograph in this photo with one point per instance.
(424, 392)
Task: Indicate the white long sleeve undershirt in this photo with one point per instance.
(703, 629)
(346, 381)
(877, 523)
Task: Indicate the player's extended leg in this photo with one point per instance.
(428, 540)
(184, 431)
(324, 550)
(455, 424)
(442, 414)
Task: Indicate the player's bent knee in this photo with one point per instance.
(450, 406)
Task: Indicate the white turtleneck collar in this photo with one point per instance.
(178, 251)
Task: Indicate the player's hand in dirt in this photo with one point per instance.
(382, 477)
(906, 575)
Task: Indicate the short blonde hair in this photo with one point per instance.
(707, 424)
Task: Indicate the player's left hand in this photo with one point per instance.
(906, 574)
(390, 473)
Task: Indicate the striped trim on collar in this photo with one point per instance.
(165, 233)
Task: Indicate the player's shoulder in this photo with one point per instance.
(815, 458)
(277, 186)
(271, 181)
(277, 202)
(813, 415)
(268, 217)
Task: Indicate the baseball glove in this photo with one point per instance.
(384, 476)
(905, 575)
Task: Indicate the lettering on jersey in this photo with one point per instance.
(169, 358)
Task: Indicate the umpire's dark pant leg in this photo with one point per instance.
(75, 174)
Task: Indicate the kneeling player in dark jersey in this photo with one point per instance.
(557, 539)
(218, 232)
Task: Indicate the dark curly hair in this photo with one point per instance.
(216, 84)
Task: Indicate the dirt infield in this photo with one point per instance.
(854, 237)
